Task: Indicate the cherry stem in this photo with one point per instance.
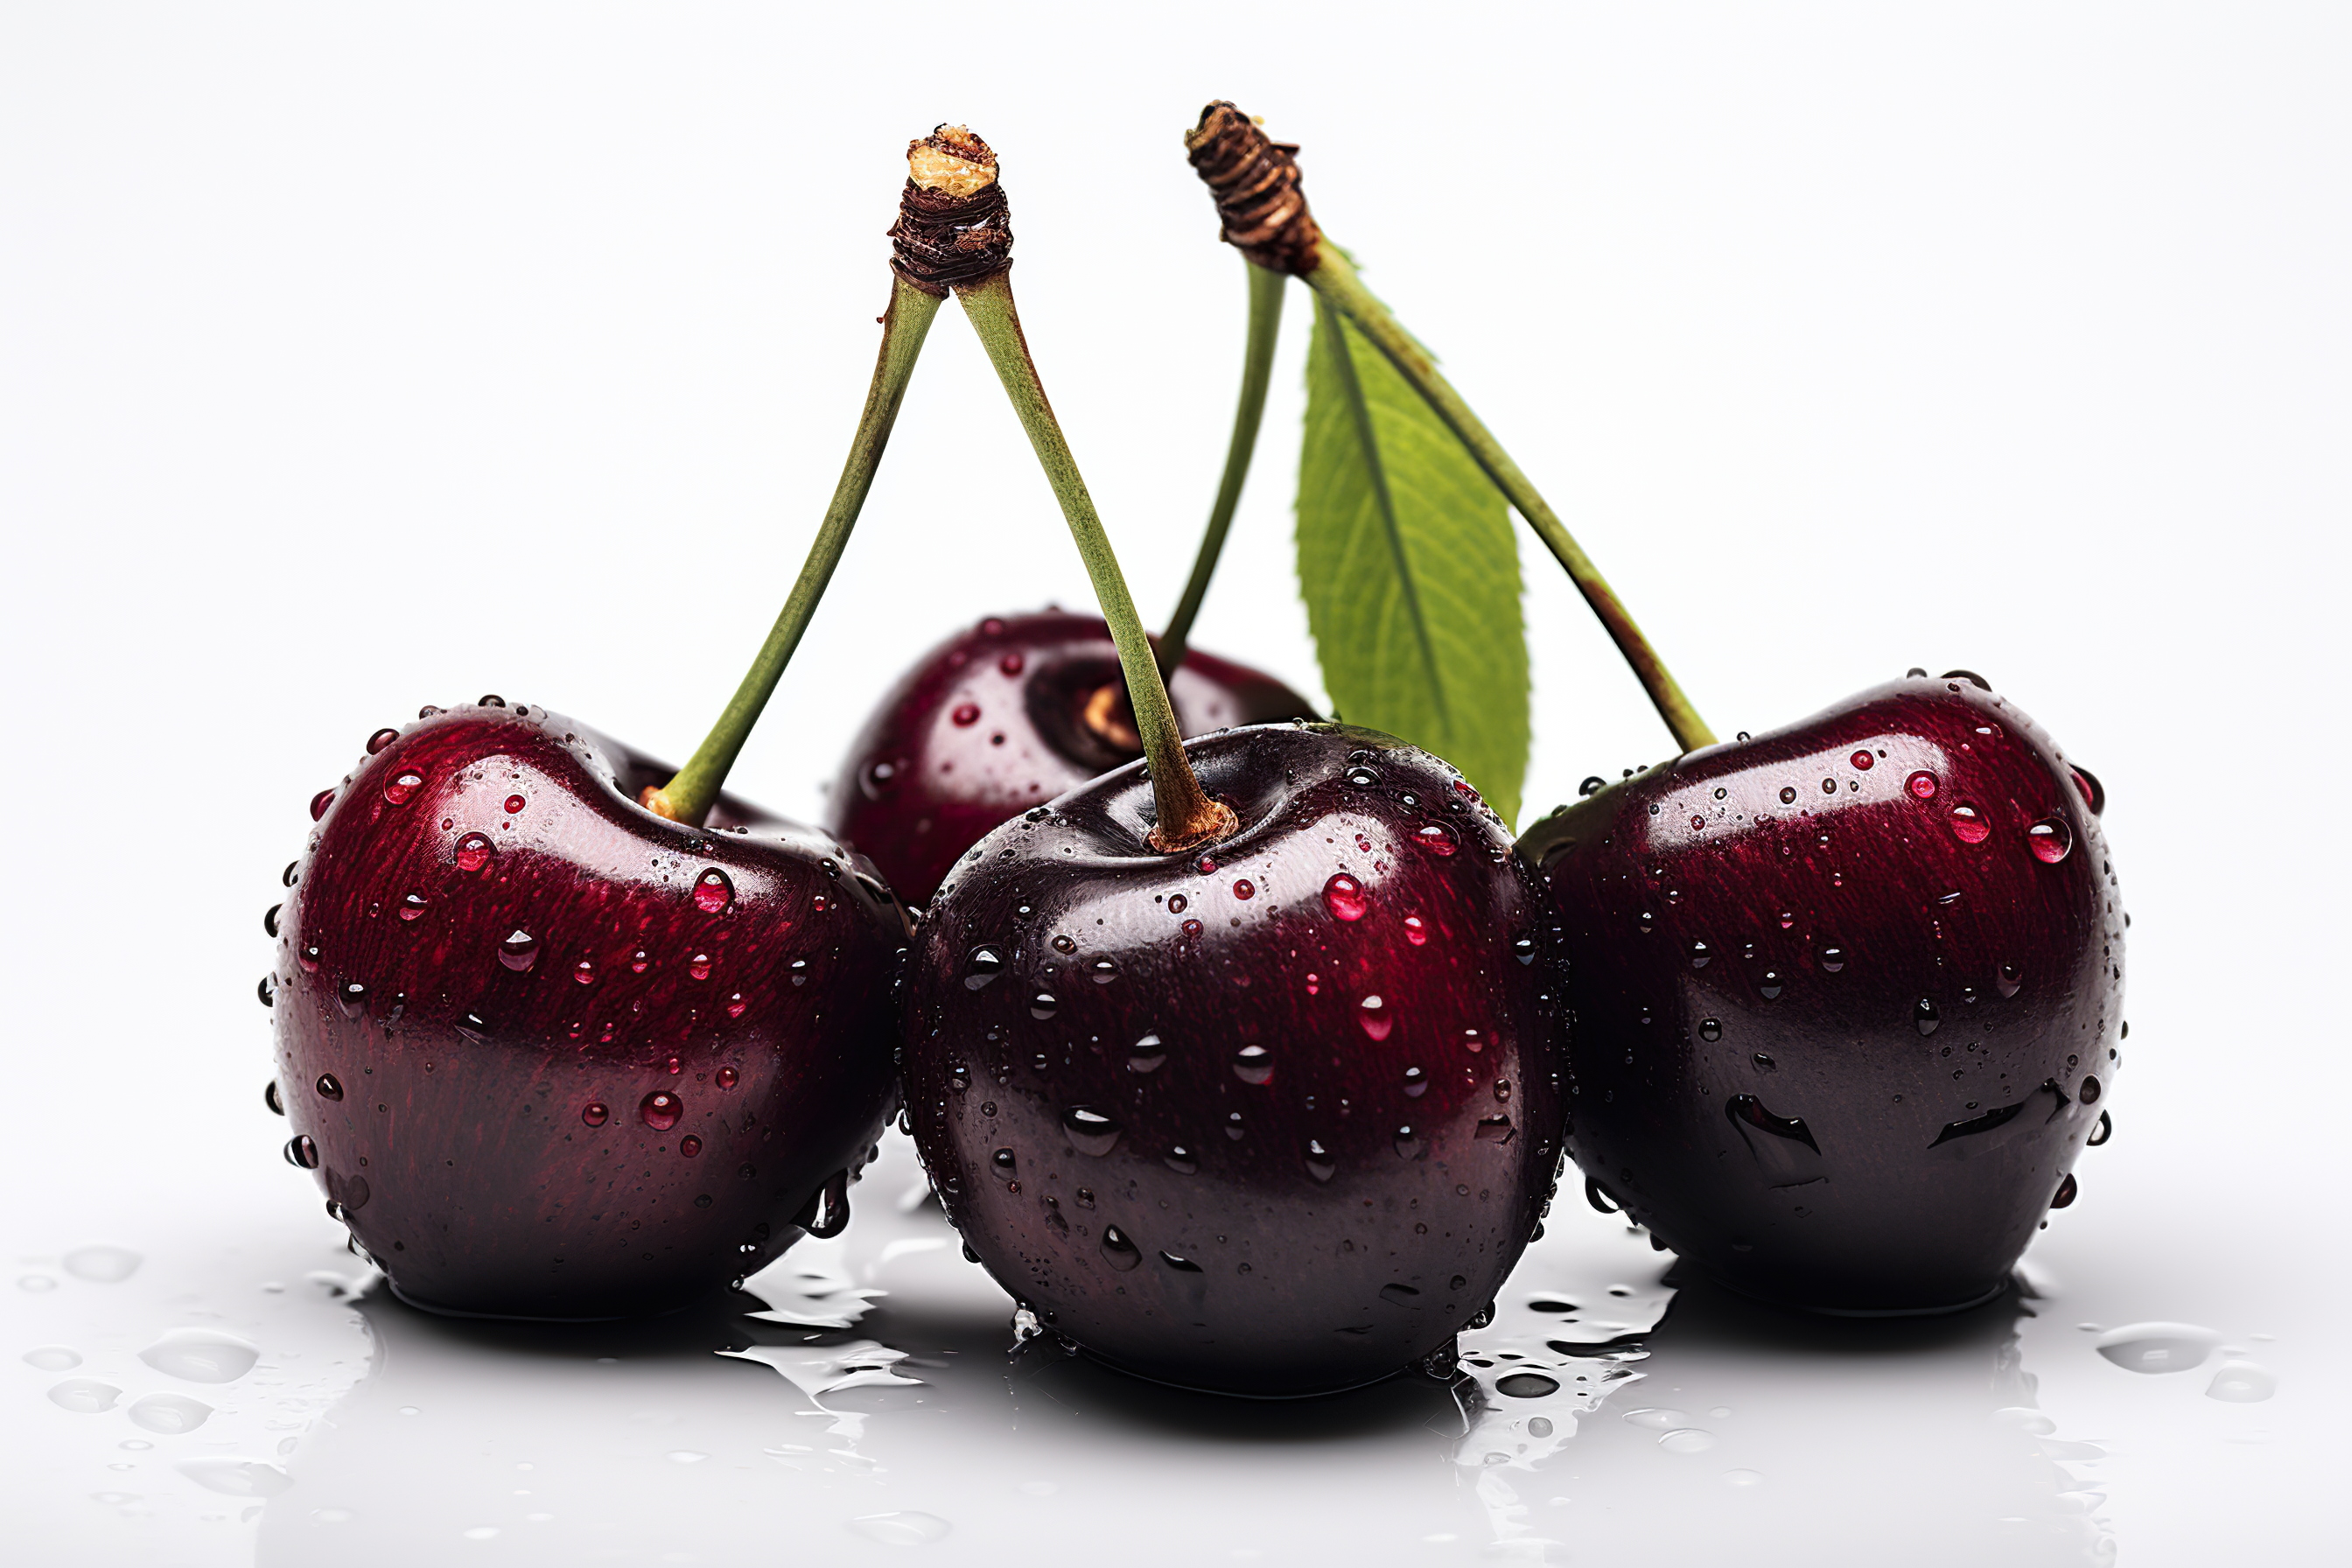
(1188, 818)
(1257, 371)
(1334, 277)
(688, 796)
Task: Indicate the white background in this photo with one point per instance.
(353, 359)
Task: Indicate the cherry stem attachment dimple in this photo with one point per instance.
(1334, 277)
(687, 797)
(1265, 287)
(1187, 817)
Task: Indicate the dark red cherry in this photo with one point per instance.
(1264, 1141)
(1866, 1100)
(1003, 718)
(505, 1138)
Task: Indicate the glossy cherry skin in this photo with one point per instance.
(1847, 996)
(1005, 715)
(1274, 1119)
(552, 1056)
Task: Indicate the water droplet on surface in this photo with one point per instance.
(1102, 971)
(474, 852)
(1181, 1159)
(1700, 953)
(319, 802)
(2066, 1194)
(53, 1358)
(1042, 1005)
(1769, 985)
(1344, 897)
(1921, 785)
(1862, 761)
(2157, 1347)
(698, 966)
(329, 1086)
(1254, 1064)
(1969, 825)
(1688, 1440)
(102, 1264)
(1413, 931)
(1373, 1014)
(595, 1113)
(966, 714)
(713, 892)
(1362, 778)
(84, 1396)
(984, 965)
(380, 740)
(1788, 795)
(2102, 1132)
(1406, 1142)
(2241, 1383)
(202, 1355)
(1146, 1055)
(1089, 1130)
(401, 785)
(168, 1412)
(1592, 785)
(727, 1078)
(2052, 839)
(1118, 1251)
(689, 1146)
(1657, 1420)
(661, 1109)
(1178, 903)
(2094, 792)
(515, 803)
(1434, 837)
(1527, 1385)
(1924, 1017)
(1710, 1028)
(1831, 960)
(519, 951)
(1496, 1129)
(303, 1153)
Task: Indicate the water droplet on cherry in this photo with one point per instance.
(474, 852)
(303, 1153)
(519, 951)
(2052, 839)
(713, 893)
(1434, 837)
(514, 804)
(329, 1086)
(1344, 897)
(1921, 785)
(661, 1109)
(1969, 825)
(595, 1113)
(404, 783)
(1254, 1064)
(1374, 1016)
(319, 802)
(1089, 1130)
(966, 714)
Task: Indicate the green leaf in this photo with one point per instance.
(1410, 568)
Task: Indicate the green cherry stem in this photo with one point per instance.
(1266, 286)
(687, 797)
(1187, 817)
(1334, 277)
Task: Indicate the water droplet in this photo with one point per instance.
(292, 873)
(519, 951)
(1178, 903)
(1362, 778)
(1657, 1420)
(1710, 1028)
(1862, 761)
(1593, 785)
(1700, 953)
(1042, 1005)
(2102, 1132)
(319, 802)
(2052, 839)
(1414, 933)
(1924, 1017)
(966, 714)
(329, 1087)
(1406, 1141)
(1969, 825)
(380, 740)
(168, 1412)
(1344, 897)
(84, 1396)
(689, 1146)
(595, 1113)
(1373, 1015)
(2157, 1347)
(1788, 795)
(1764, 1062)
(402, 784)
(2066, 1194)
(712, 891)
(698, 966)
(1089, 1130)
(1244, 888)
(1921, 785)
(1118, 1251)
(1180, 1160)
(727, 1078)
(1320, 1162)
(1011, 664)
(1102, 971)
(2094, 794)
(1688, 1440)
(2241, 1383)
(202, 1355)
(1254, 1064)
(1146, 1055)
(903, 1527)
(1831, 960)
(661, 1109)
(984, 965)
(1435, 837)
(1496, 1129)
(1769, 985)
(514, 802)
(412, 906)
(474, 852)
(53, 1358)
(1527, 1384)
(300, 1151)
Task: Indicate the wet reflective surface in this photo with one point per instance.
(256, 1396)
